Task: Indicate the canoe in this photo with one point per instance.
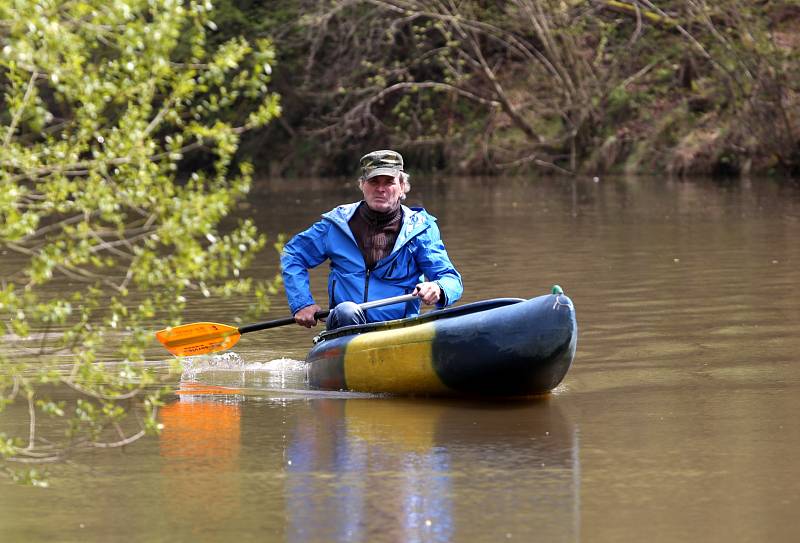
(504, 347)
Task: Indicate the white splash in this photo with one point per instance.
(230, 369)
(194, 365)
(279, 373)
(278, 365)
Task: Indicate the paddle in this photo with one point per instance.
(210, 337)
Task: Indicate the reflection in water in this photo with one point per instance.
(365, 469)
(401, 497)
(407, 470)
(201, 447)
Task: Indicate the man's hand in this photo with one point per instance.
(429, 292)
(305, 316)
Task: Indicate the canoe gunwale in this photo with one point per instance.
(438, 314)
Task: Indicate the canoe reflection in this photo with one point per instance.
(412, 469)
(361, 469)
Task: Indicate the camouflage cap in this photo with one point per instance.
(384, 162)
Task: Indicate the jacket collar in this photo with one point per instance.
(415, 221)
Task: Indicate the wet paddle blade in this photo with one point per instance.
(198, 338)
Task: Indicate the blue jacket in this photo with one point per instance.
(418, 251)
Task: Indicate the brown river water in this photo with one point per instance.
(677, 421)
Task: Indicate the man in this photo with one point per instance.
(378, 248)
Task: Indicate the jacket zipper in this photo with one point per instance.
(366, 287)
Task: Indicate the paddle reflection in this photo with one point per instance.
(407, 470)
(200, 447)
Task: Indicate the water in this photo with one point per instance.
(676, 422)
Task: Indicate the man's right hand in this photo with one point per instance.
(305, 317)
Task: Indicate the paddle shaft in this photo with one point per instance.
(324, 313)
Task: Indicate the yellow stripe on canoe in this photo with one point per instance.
(394, 361)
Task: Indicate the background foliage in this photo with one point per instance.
(686, 86)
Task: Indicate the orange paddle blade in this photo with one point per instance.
(198, 338)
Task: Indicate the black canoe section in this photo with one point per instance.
(437, 314)
(527, 348)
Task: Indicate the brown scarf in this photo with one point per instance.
(375, 232)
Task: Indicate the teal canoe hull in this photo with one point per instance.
(505, 347)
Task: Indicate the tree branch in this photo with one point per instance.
(18, 114)
(99, 395)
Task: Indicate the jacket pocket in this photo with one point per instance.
(399, 269)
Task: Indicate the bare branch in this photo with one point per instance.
(364, 109)
(31, 422)
(30, 459)
(533, 158)
(99, 395)
(502, 97)
(122, 442)
(54, 227)
(18, 114)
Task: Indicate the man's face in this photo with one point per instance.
(382, 192)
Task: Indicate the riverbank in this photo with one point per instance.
(683, 88)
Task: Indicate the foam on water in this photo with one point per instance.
(230, 361)
(231, 369)
(277, 365)
(227, 376)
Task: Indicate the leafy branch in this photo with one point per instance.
(107, 217)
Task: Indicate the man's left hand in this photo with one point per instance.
(429, 292)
